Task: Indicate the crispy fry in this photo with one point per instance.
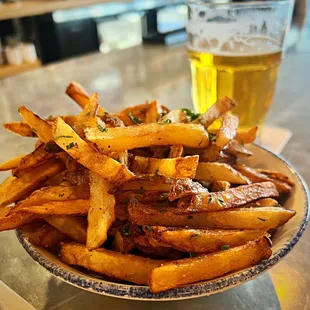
(21, 129)
(219, 108)
(181, 167)
(72, 226)
(12, 163)
(219, 186)
(209, 266)
(10, 220)
(176, 151)
(256, 176)
(228, 130)
(14, 189)
(211, 154)
(123, 241)
(203, 241)
(231, 198)
(174, 117)
(239, 218)
(101, 164)
(276, 175)
(149, 185)
(38, 125)
(134, 115)
(101, 213)
(68, 207)
(110, 263)
(154, 112)
(119, 139)
(77, 92)
(43, 235)
(246, 136)
(211, 172)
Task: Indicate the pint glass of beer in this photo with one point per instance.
(235, 50)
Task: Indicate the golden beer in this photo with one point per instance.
(247, 78)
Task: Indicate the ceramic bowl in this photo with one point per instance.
(283, 242)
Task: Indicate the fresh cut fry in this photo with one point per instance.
(209, 266)
(144, 135)
(228, 130)
(109, 263)
(101, 214)
(21, 129)
(12, 163)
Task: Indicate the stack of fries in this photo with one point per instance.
(148, 195)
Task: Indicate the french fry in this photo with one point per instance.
(123, 241)
(154, 111)
(203, 241)
(246, 136)
(257, 176)
(120, 139)
(176, 151)
(54, 193)
(219, 186)
(239, 218)
(219, 108)
(134, 115)
(14, 189)
(236, 149)
(209, 266)
(228, 130)
(101, 164)
(109, 263)
(37, 157)
(276, 175)
(21, 129)
(174, 117)
(43, 235)
(10, 220)
(38, 125)
(231, 198)
(211, 154)
(211, 172)
(181, 167)
(12, 163)
(71, 226)
(101, 213)
(67, 207)
(149, 185)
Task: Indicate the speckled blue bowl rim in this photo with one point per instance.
(136, 292)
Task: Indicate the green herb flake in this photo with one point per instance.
(68, 137)
(191, 255)
(261, 219)
(190, 115)
(194, 236)
(149, 228)
(50, 117)
(167, 121)
(102, 129)
(141, 190)
(210, 199)
(134, 119)
(225, 247)
(126, 201)
(221, 201)
(87, 114)
(126, 232)
(61, 195)
(70, 146)
(212, 137)
(156, 173)
(189, 217)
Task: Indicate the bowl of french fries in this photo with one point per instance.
(149, 203)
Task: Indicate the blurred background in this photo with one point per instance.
(36, 33)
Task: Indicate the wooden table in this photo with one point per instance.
(130, 77)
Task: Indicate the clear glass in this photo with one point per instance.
(235, 50)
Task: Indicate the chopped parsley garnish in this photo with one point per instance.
(212, 137)
(61, 195)
(225, 247)
(261, 219)
(134, 119)
(87, 114)
(156, 172)
(189, 217)
(190, 115)
(221, 201)
(102, 129)
(70, 145)
(149, 228)
(167, 121)
(126, 201)
(210, 199)
(194, 236)
(50, 117)
(126, 231)
(192, 255)
(141, 190)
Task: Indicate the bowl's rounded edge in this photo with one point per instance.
(136, 292)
